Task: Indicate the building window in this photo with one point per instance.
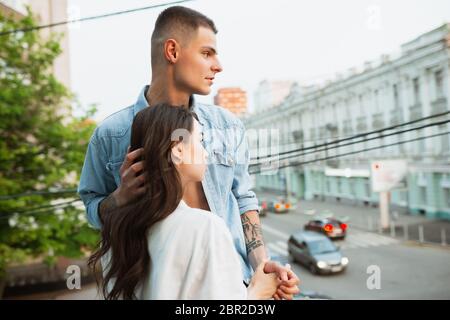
(423, 195)
(447, 197)
(361, 104)
(377, 100)
(352, 183)
(396, 97)
(368, 188)
(416, 86)
(439, 83)
(445, 139)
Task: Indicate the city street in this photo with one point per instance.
(408, 270)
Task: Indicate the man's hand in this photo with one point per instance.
(131, 186)
(289, 281)
(132, 178)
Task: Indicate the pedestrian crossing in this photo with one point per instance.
(355, 239)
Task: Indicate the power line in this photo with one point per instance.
(357, 142)
(37, 193)
(48, 206)
(351, 153)
(39, 212)
(4, 33)
(360, 135)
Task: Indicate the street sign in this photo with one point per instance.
(388, 174)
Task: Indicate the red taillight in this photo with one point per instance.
(287, 205)
(264, 205)
(343, 226)
(328, 227)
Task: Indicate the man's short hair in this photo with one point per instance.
(179, 23)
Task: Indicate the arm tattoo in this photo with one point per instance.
(252, 233)
(106, 206)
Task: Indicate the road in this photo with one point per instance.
(408, 270)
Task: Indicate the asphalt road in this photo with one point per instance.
(407, 270)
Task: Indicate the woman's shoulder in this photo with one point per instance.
(200, 217)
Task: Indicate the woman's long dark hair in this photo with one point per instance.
(124, 231)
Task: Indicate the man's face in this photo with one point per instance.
(198, 63)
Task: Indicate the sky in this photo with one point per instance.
(305, 41)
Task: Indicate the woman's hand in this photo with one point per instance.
(263, 285)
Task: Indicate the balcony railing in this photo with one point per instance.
(396, 117)
(377, 121)
(439, 106)
(297, 135)
(361, 124)
(415, 112)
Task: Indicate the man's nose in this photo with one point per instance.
(217, 67)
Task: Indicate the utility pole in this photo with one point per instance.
(288, 182)
(384, 209)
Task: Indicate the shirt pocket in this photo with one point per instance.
(222, 158)
(222, 170)
(114, 169)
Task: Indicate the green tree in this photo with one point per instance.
(42, 147)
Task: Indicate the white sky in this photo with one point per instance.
(257, 39)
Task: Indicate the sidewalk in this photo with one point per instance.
(87, 292)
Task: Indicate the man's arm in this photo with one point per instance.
(247, 201)
(96, 183)
(106, 206)
(253, 238)
(248, 206)
(131, 186)
(97, 187)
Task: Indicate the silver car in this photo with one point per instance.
(316, 252)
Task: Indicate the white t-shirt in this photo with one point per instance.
(192, 257)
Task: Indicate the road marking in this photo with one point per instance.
(275, 232)
(273, 247)
(283, 245)
(355, 239)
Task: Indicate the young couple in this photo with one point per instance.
(173, 226)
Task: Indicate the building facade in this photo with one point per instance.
(47, 12)
(389, 92)
(270, 94)
(233, 99)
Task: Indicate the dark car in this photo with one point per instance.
(331, 227)
(311, 295)
(263, 207)
(316, 252)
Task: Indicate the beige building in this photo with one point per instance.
(233, 99)
(48, 12)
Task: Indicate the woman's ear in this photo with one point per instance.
(177, 153)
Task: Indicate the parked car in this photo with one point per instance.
(331, 227)
(263, 206)
(316, 252)
(279, 205)
(311, 295)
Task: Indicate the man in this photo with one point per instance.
(184, 62)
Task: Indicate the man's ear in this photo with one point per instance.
(171, 50)
(177, 152)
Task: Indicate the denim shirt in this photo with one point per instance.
(226, 183)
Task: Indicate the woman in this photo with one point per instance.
(160, 248)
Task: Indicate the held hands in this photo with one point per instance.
(263, 285)
(132, 178)
(289, 282)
